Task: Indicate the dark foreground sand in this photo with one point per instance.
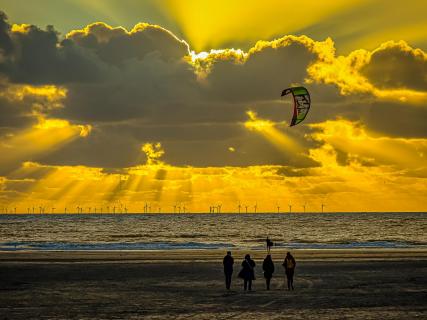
(189, 285)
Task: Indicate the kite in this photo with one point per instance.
(301, 103)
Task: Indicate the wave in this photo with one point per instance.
(350, 244)
(159, 245)
(69, 246)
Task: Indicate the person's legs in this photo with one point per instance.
(292, 279)
(250, 284)
(245, 284)
(288, 277)
(228, 280)
(267, 281)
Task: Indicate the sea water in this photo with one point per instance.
(212, 231)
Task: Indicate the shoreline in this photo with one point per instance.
(205, 255)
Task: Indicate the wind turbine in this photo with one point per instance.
(278, 209)
(255, 207)
(323, 205)
(65, 210)
(114, 209)
(174, 208)
(290, 208)
(53, 210)
(304, 207)
(239, 207)
(246, 208)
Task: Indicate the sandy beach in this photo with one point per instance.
(330, 284)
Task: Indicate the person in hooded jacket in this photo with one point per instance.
(268, 268)
(247, 273)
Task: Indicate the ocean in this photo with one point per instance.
(212, 231)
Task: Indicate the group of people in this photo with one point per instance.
(247, 273)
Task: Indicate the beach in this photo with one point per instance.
(189, 284)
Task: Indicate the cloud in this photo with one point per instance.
(23, 105)
(143, 85)
(116, 45)
(365, 147)
(36, 56)
(395, 65)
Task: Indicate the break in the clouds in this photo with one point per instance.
(95, 96)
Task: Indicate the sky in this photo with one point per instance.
(176, 103)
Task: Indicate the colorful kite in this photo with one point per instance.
(301, 103)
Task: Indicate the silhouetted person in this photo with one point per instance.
(268, 267)
(228, 262)
(269, 244)
(289, 265)
(247, 273)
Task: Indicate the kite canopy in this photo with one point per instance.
(301, 103)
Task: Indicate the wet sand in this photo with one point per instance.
(329, 284)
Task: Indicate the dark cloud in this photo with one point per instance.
(15, 114)
(39, 58)
(397, 119)
(6, 45)
(397, 66)
(116, 45)
(262, 76)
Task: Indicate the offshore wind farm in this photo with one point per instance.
(150, 209)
